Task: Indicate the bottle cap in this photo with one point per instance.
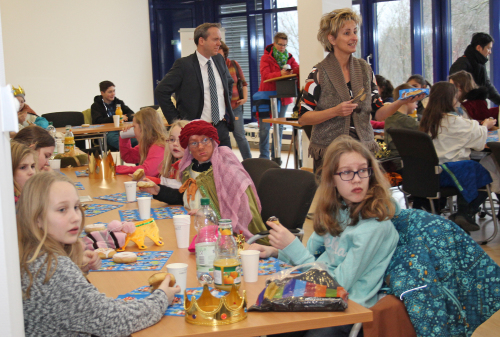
(118, 105)
(205, 201)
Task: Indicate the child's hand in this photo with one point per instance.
(127, 127)
(192, 212)
(91, 261)
(489, 123)
(151, 190)
(279, 236)
(265, 251)
(170, 291)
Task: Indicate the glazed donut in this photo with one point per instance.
(124, 257)
(156, 279)
(94, 227)
(105, 253)
(145, 184)
(138, 175)
(274, 219)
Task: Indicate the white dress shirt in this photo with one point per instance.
(206, 114)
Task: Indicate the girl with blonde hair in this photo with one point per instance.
(57, 299)
(149, 153)
(23, 166)
(353, 232)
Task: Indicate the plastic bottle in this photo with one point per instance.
(206, 224)
(227, 265)
(69, 140)
(119, 112)
(52, 130)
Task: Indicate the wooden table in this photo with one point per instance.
(296, 137)
(121, 282)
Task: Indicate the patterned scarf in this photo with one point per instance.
(281, 58)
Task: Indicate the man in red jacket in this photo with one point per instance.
(271, 66)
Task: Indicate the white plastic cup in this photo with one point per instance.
(127, 134)
(55, 164)
(116, 120)
(179, 270)
(182, 219)
(144, 207)
(182, 234)
(130, 190)
(250, 265)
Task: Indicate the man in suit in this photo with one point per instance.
(201, 84)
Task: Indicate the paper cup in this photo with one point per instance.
(250, 264)
(182, 234)
(55, 164)
(144, 207)
(182, 219)
(127, 134)
(116, 120)
(179, 270)
(130, 190)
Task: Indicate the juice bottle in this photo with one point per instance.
(206, 224)
(69, 140)
(119, 112)
(227, 265)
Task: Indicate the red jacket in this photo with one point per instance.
(476, 105)
(269, 68)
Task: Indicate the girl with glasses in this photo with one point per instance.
(353, 232)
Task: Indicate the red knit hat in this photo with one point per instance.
(197, 127)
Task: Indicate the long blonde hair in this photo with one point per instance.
(331, 23)
(32, 228)
(152, 131)
(376, 204)
(19, 152)
(168, 158)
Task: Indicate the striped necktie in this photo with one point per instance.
(213, 94)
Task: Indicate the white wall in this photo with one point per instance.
(60, 50)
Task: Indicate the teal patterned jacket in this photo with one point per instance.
(449, 285)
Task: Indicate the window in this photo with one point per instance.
(394, 40)
(287, 23)
(427, 41)
(468, 17)
(357, 9)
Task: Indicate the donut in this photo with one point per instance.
(138, 175)
(105, 253)
(156, 279)
(124, 257)
(145, 184)
(94, 227)
(274, 219)
(85, 125)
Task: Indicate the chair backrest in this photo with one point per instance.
(63, 118)
(286, 194)
(256, 168)
(87, 116)
(420, 162)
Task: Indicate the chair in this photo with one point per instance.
(256, 168)
(420, 166)
(63, 118)
(286, 194)
(87, 116)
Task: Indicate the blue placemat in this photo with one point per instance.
(79, 186)
(83, 173)
(156, 213)
(177, 307)
(492, 136)
(122, 197)
(87, 127)
(273, 265)
(146, 260)
(96, 209)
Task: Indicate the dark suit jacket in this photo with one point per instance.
(184, 79)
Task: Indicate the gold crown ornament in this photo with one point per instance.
(18, 91)
(210, 310)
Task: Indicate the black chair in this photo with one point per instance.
(286, 194)
(63, 118)
(256, 168)
(420, 166)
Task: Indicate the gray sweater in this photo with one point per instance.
(68, 305)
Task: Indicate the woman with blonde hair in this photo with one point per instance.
(353, 232)
(149, 153)
(57, 299)
(341, 93)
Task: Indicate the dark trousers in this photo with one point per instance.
(223, 132)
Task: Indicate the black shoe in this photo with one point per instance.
(465, 222)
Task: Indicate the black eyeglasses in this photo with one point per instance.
(349, 175)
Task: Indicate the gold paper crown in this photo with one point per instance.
(210, 310)
(18, 91)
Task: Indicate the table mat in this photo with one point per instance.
(146, 260)
(122, 197)
(96, 209)
(156, 213)
(79, 186)
(83, 173)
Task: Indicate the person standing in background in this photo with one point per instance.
(237, 101)
(104, 108)
(271, 66)
(474, 60)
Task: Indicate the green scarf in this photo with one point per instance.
(281, 58)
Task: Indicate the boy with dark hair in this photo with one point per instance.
(474, 60)
(104, 108)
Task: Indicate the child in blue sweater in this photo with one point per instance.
(353, 233)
